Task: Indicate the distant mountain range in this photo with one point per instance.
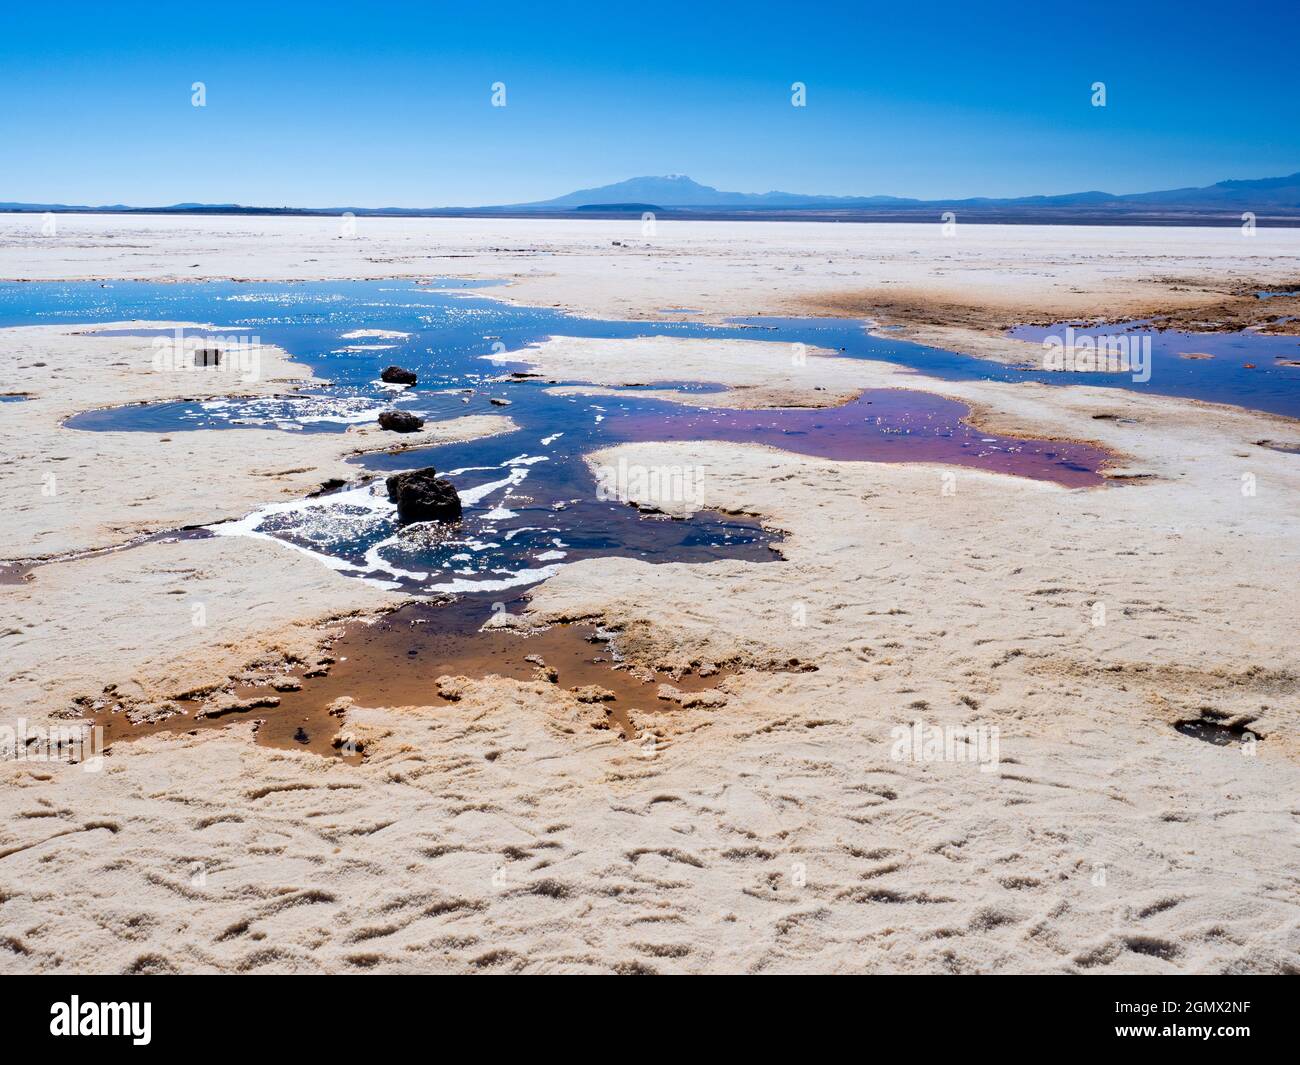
(677, 190)
(1274, 200)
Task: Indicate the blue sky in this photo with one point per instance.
(389, 104)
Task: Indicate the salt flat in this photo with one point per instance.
(777, 832)
(619, 268)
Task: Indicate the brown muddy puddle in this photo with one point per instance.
(397, 660)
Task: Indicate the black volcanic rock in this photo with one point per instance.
(400, 421)
(421, 495)
(395, 375)
(330, 484)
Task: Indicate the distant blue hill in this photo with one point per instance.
(677, 196)
(677, 190)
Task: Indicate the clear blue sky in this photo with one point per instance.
(385, 104)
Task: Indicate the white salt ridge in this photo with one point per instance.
(376, 561)
(285, 299)
(366, 498)
(339, 411)
(518, 460)
(523, 576)
(378, 334)
(362, 496)
(472, 495)
(344, 419)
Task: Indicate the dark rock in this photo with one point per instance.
(395, 375)
(330, 484)
(499, 402)
(301, 735)
(420, 495)
(400, 421)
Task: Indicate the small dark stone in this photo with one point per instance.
(400, 421)
(330, 484)
(395, 375)
(420, 495)
(301, 735)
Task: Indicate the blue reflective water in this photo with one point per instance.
(531, 497)
(309, 318)
(1246, 369)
